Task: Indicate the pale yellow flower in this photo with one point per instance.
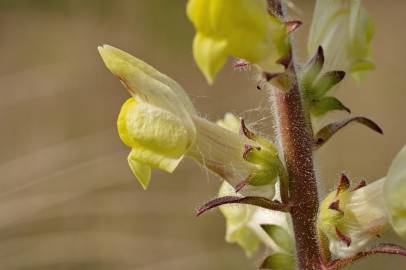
(362, 214)
(352, 218)
(162, 127)
(244, 225)
(344, 29)
(239, 28)
(395, 193)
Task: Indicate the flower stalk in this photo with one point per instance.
(297, 146)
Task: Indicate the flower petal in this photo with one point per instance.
(395, 193)
(244, 223)
(149, 84)
(158, 138)
(230, 122)
(142, 124)
(210, 55)
(239, 28)
(346, 21)
(155, 159)
(141, 171)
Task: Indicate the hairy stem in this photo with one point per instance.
(297, 146)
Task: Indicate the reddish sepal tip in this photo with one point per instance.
(343, 237)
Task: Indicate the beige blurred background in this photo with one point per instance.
(67, 197)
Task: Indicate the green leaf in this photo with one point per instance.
(327, 104)
(280, 236)
(326, 82)
(279, 261)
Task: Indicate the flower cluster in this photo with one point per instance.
(161, 126)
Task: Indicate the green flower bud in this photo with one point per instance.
(241, 28)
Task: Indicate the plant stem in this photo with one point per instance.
(297, 145)
(297, 149)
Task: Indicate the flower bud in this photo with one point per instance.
(395, 193)
(352, 218)
(241, 28)
(344, 30)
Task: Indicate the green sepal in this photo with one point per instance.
(260, 156)
(280, 236)
(263, 177)
(267, 164)
(313, 69)
(141, 171)
(279, 261)
(326, 82)
(325, 105)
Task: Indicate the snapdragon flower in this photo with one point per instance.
(246, 226)
(351, 218)
(395, 193)
(239, 28)
(161, 126)
(344, 29)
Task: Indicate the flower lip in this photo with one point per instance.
(144, 80)
(394, 193)
(239, 28)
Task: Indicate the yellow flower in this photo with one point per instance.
(157, 137)
(352, 218)
(361, 214)
(161, 126)
(230, 122)
(344, 29)
(240, 28)
(245, 226)
(395, 193)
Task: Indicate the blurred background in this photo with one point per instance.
(68, 199)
